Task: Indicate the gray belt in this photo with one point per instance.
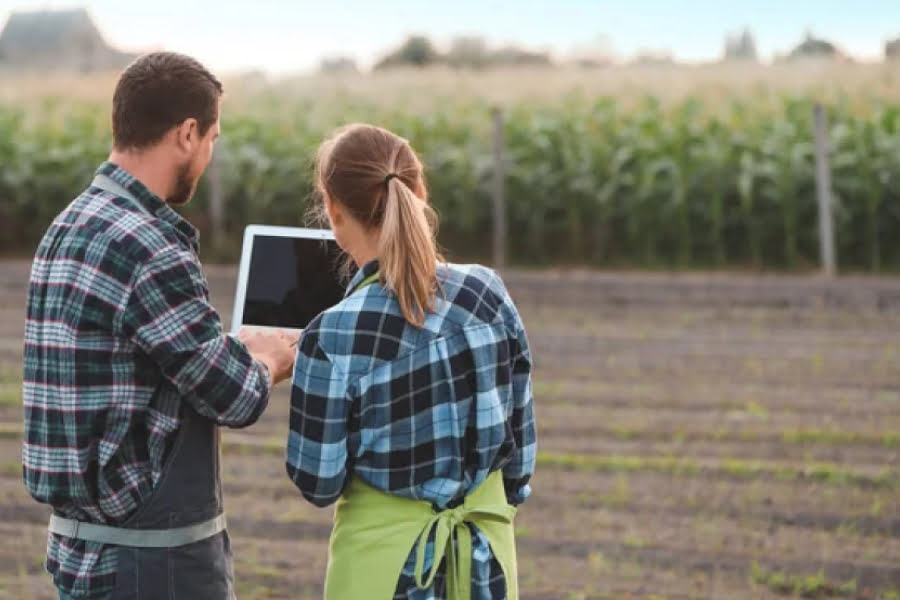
(137, 538)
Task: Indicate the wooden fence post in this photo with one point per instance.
(499, 212)
(823, 193)
(216, 204)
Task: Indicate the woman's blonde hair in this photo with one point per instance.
(378, 178)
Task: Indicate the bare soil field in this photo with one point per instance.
(701, 436)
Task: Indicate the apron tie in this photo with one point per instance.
(453, 539)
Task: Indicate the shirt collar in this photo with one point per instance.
(150, 201)
(369, 269)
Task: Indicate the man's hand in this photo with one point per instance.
(273, 347)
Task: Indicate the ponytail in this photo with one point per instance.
(377, 177)
(407, 251)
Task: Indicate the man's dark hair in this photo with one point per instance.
(159, 91)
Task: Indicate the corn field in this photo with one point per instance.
(708, 180)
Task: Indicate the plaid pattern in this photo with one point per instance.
(119, 332)
(421, 413)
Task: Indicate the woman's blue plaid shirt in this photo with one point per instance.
(424, 413)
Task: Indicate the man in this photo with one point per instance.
(127, 370)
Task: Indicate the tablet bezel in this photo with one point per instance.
(250, 232)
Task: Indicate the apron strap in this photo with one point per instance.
(452, 538)
(136, 538)
(367, 281)
(112, 186)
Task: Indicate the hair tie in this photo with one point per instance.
(389, 176)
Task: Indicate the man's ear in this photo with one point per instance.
(187, 135)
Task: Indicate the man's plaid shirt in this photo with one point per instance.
(119, 332)
(422, 413)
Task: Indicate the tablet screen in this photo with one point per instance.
(291, 280)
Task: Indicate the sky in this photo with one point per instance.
(284, 36)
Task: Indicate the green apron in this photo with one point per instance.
(374, 532)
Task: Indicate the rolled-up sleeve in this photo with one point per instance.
(317, 439)
(518, 471)
(169, 317)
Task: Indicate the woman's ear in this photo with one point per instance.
(333, 210)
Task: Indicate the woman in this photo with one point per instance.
(411, 403)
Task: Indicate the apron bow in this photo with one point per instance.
(453, 539)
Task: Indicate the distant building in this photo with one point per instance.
(59, 40)
(741, 47)
(892, 50)
(812, 47)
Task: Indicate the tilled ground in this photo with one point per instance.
(701, 436)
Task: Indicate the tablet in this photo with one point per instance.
(287, 276)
